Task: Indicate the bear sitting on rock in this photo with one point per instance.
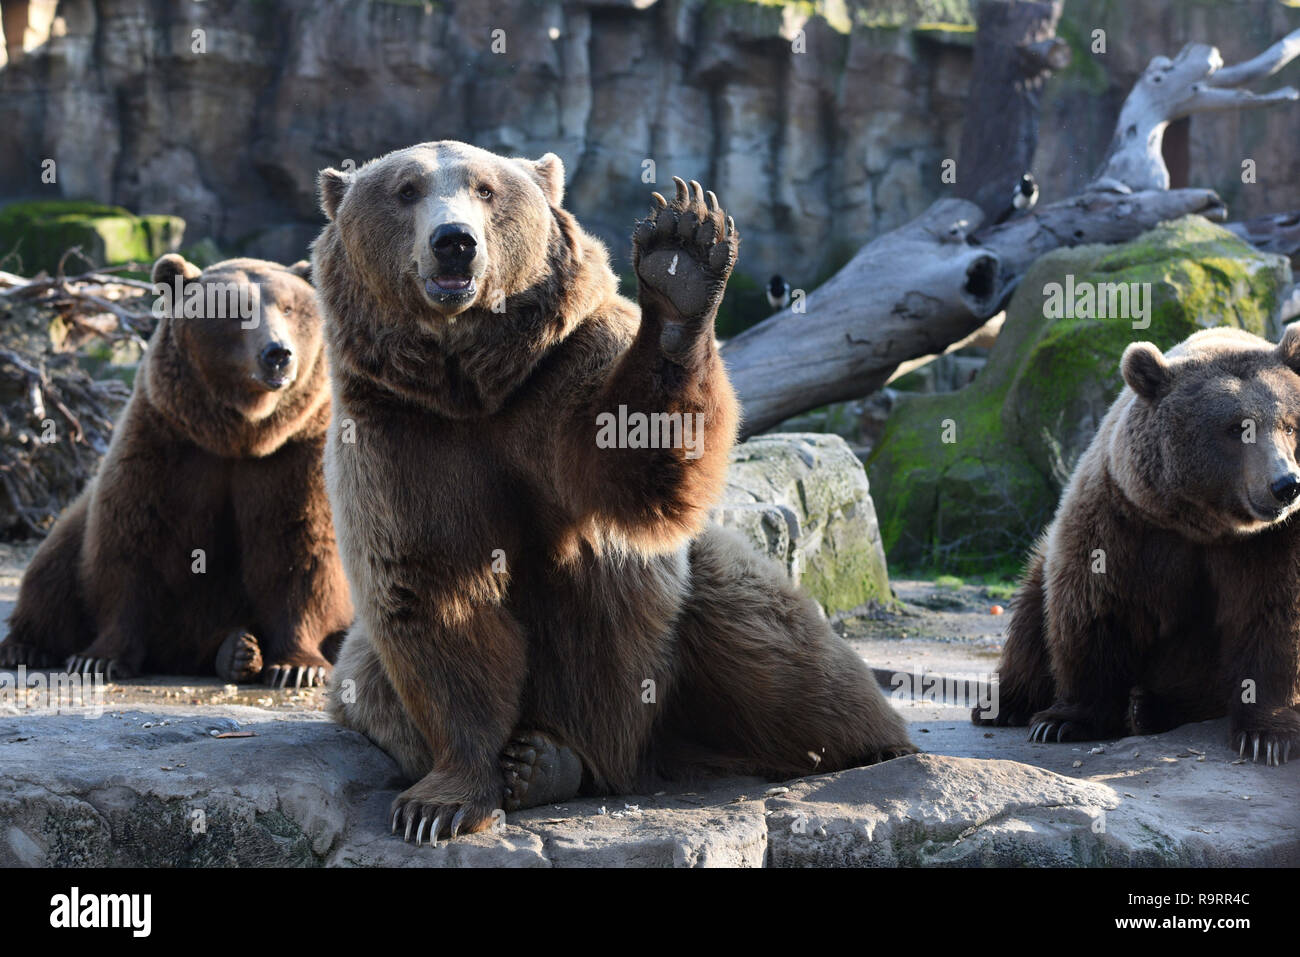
(1167, 588)
(204, 542)
(542, 608)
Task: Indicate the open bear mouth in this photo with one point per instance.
(450, 287)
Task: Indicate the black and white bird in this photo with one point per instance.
(1023, 197)
(778, 293)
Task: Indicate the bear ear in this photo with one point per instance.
(549, 174)
(333, 187)
(302, 269)
(166, 269)
(1288, 350)
(1146, 371)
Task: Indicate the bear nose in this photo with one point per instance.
(1286, 488)
(453, 246)
(276, 357)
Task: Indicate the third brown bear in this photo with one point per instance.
(1167, 588)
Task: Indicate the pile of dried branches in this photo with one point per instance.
(56, 417)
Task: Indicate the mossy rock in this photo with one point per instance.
(803, 499)
(964, 481)
(34, 235)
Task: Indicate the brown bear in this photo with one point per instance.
(1167, 588)
(542, 609)
(207, 527)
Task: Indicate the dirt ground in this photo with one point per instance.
(936, 626)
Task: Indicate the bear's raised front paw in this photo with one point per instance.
(112, 669)
(283, 674)
(683, 252)
(434, 806)
(15, 653)
(239, 659)
(538, 771)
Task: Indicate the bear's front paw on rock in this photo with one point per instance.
(435, 806)
(15, 653)
(1270, 737)
(683, 253)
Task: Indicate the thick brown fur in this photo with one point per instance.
(514, 580)
(1167, 588)
(214, 461)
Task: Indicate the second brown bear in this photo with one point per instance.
(204, 543)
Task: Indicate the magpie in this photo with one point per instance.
(1023, 198)
(778, 293)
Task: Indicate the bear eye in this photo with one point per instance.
(485, 192)
(408, 192)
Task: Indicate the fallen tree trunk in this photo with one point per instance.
(912, 292)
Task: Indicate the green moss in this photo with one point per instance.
(35, 235)
(974, 504)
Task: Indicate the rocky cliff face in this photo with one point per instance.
(814, 152)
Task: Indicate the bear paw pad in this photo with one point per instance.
(684, 251)
(239, 659)
(539, 771)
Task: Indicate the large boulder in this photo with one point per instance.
(38, 233)
(964, 481)
(804, 500)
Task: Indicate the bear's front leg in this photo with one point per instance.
(1262, 660)
(656, 482)
(290, 570)
(458, 671)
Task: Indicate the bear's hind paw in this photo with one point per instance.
(538, 771)
(239, 659)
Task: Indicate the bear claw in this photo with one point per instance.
(430, 817)
(110, 668)
(1276, 752)
(296, 676)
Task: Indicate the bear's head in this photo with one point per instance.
(1211, 432)
(238, 357)
(445, 272)
(452, 223)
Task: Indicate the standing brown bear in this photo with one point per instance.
(541, 607)
(1167, 588)
(204, 542)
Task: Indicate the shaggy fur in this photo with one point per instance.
(1196, 610)
(520, 590)
(214, 454)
